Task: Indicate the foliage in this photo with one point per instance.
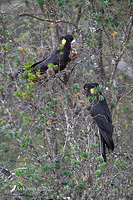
(49, 143)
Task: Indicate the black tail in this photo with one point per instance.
(103, 148)
(21, 69)
(106, 139)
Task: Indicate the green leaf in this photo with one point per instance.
(98, 172)
(56, 166)
(101, 98)
(94, 98)
(45, 119)
(72, 185)
(32, 169)
(54, 101)
(75, 86)
(1, 88)
(80, 186)
(94, 146)
(75, 162)
(46, 107)
(67, 173)
(84, 155)
(51, 112)
(40, 2)
(45, 168)
(40, 117)
(98, 180)
(100, 159)
(60, 47)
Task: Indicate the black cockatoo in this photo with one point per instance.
(58, 58)
(101, 114)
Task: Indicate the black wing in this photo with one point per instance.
(41, 65)
(56, 58)
(102, 116)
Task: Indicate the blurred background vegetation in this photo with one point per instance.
(50, 146)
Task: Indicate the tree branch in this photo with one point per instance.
(45, 20)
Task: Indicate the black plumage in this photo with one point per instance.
(102, 116)
(60, 56)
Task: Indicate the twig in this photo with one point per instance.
(46, 20)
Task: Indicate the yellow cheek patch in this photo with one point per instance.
(63, 41)
(92, 90)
